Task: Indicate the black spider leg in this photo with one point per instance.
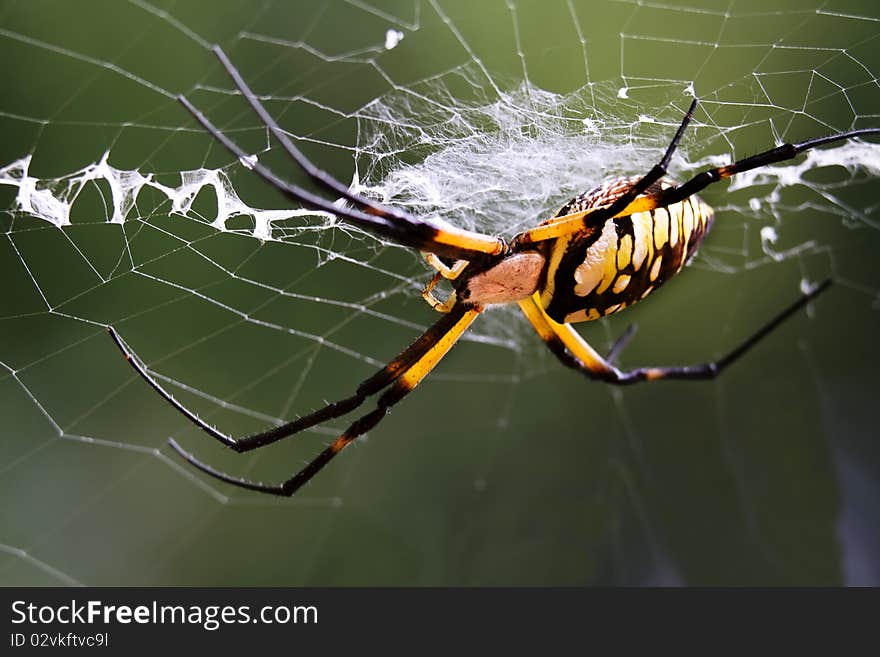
(605, 371)
(380, 380)
(778, 154)
(290, 486)
(685, 190)
(462, 315)
(413, 234)
(655, 174)
(620, 344)
(320, 176)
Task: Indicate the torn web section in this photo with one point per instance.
(52, 199)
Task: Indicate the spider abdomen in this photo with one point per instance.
(607, 267)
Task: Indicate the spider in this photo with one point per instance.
(602, 252)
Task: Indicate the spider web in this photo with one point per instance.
(503, 468)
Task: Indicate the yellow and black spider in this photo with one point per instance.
(603, 251)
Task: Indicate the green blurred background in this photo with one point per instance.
(504, 468)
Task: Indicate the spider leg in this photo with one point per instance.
(449, 273)
(620, 344)
(568, 224)
(434, 302)
(577, 221)
(778, 154)
(384, 221)
(573, 350)
(380, 380)
(402, 385)
(622, 205)
(656, 173)
(320, 176)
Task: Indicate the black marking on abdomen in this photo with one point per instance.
(672, 258)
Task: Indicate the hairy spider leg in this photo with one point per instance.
(570, 348)
(772, 156)
(568, 224)
(453, 325)
(402, 363)
(384, 221)
(449, 273)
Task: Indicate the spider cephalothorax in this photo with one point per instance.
(603, 251)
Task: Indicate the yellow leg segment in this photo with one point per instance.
(464, 239)
(572, 223)
(423, 366)
(552, 332)
(450, 273)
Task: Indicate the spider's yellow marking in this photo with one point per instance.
(655, 268)
(583, 315)
(675, 211)
(643, 241)
(621, 283)
(600, 263)
(613, 309)
(608, 277)
(647, 291)
(661, 227)
(687, 226)
(624, 251)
